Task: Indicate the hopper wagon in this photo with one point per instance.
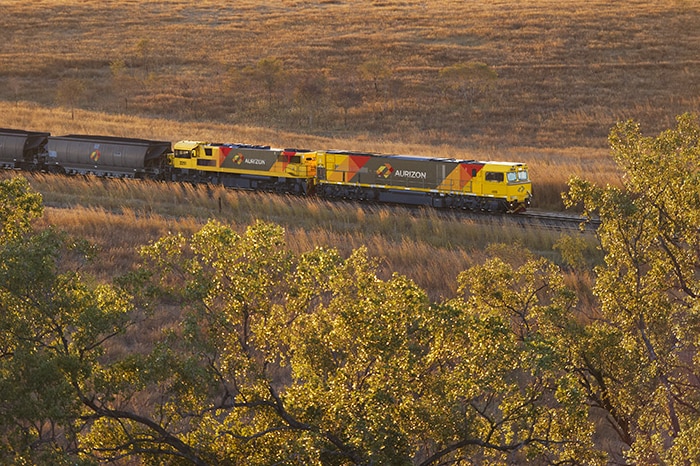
(107, 156)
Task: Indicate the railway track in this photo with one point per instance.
(536, 219)
(559, 221)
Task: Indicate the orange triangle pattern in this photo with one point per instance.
(460, 178)
(351, 164)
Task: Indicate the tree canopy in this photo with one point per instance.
(642, 366)
(268, 356)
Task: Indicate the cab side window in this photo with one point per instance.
(494, 176)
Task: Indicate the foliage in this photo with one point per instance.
(642, 363)
(313, 359)
(19, 205)
(71, 92)
(573, 251)
(268, 72)
(502, 362)
(52, 326)
(273, 356)
(468, 81)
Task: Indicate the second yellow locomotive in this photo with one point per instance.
(245, 166)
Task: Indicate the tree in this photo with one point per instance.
(311, 94)
(642, 366)
(313, 359)
(347, 98)
(374, 70)
(71, 92)
(121, 81)
(468, 81)
(303, 359)
(19, 206)
(53, 328)
(145, 56)
(269, 73)
(238, 381)
(500, 388)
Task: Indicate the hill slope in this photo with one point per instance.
(512, 73)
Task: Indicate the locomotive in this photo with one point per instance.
(331, 174)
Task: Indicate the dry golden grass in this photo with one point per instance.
(119, 216)
(179, 69)
(567, 71)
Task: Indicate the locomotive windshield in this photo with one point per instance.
(514, 177)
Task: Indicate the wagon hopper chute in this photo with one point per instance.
(107, 156)
(21, 149)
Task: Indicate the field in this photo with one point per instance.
(482, 75)
(535, 81)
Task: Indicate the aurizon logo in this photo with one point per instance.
(385, 170)
(238, 158)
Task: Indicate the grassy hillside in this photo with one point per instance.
(536, 81)
(120, 216)
(492, 75)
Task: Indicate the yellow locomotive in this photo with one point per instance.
(429, 181)
(245, 166)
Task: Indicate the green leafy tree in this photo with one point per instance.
(235, 382)
(574, 252)
(498, 362)
(268, 73)
(375, 70)
(19, 206)
(52, 330)
(313, 359)
(641, 366)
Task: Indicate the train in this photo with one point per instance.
(489, 186)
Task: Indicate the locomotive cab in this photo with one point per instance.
(299, 163)
(508, 181)
(184, 152)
